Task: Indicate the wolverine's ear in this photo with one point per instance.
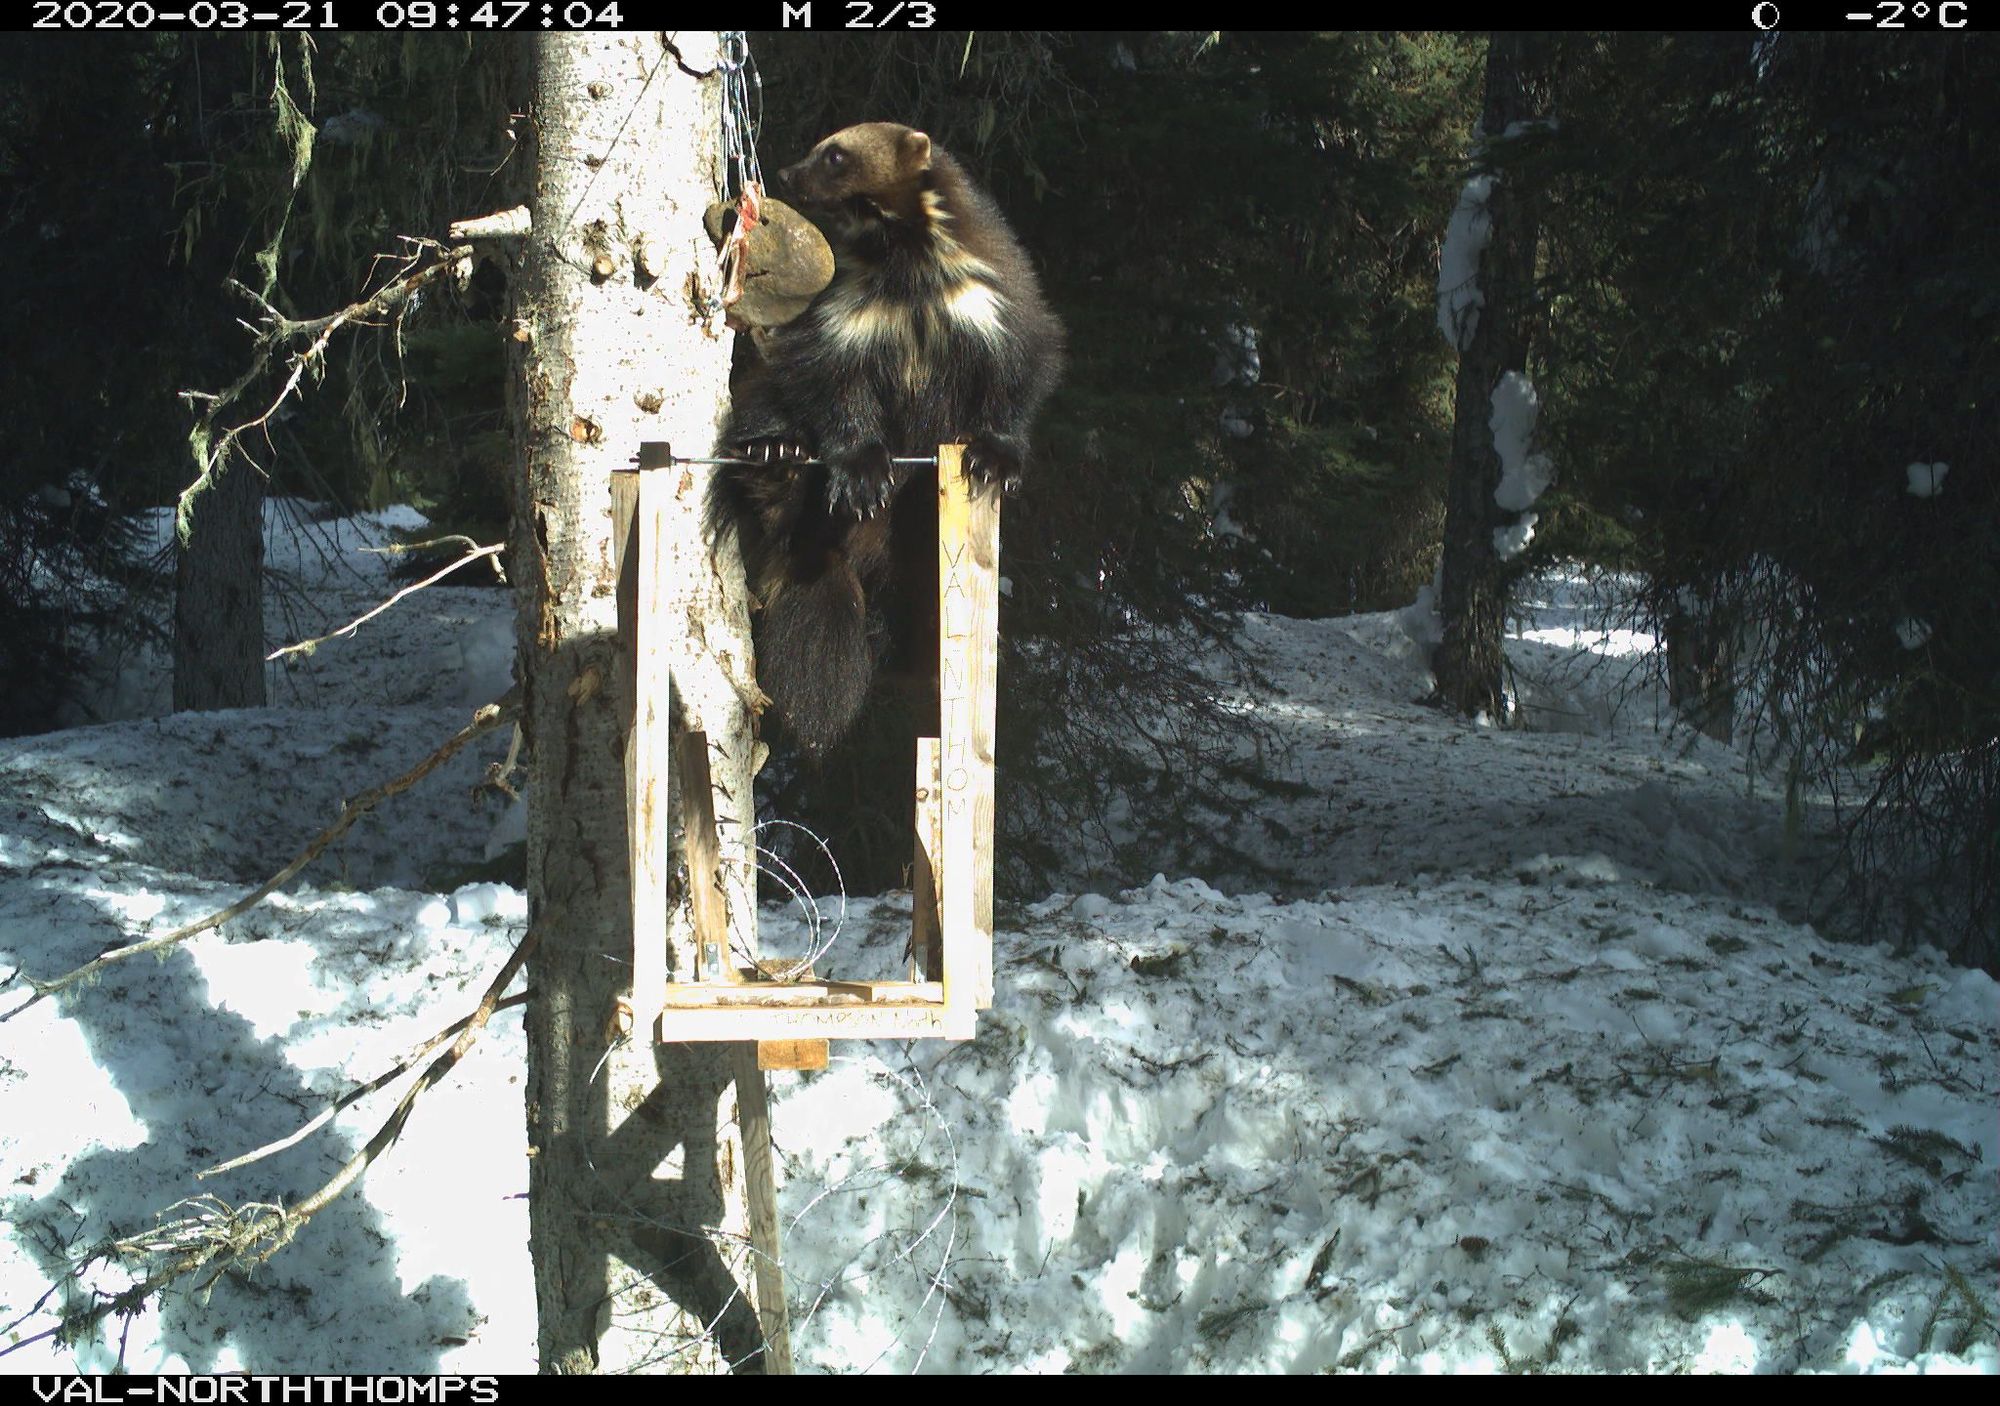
(915, 151)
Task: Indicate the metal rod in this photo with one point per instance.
(929, 459)
(658, 454)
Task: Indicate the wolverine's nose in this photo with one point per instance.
(789, 176)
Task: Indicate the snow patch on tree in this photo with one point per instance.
(1523, 475)
(1220, 521)
(1927, 480)
(1237, 360)
(1512, 540)
(1470, 231)
(1420, 619)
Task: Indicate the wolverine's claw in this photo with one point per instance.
(776, 449)
(861, 484)
(991, 458)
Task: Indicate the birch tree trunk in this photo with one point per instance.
(1473, 599)
(637, 1207)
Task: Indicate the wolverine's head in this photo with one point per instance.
(882, 162)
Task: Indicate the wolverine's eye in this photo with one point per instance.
(836, 158)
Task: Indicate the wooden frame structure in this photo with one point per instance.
(951, 979)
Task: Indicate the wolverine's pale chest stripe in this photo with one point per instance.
(978, 307)
(855, 319)
(855, 322)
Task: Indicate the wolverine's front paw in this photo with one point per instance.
(861, 483)
(774, 449)
(991, 458)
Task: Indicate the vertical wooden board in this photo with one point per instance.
(753, 1119)
(968, 665)
(791, 1054)
(704, 862)
(624, 512)
(625, 566)
(986, 686)
(926, 936)
(637, 501)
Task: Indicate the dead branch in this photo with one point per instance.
(308, 646)
(215, 1237)
(276, 334)
(483, 722)
(500, 225)
(500, 775)
(356, 1094)
(458, 539)
(398, 1116)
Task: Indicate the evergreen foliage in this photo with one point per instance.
(1771, 284)
(1239, 231)
(1767, 283)
(141, 172)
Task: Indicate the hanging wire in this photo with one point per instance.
(742, 113)
(743, 178)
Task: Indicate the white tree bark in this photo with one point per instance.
(637, 1206)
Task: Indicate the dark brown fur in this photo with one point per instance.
(933, 331)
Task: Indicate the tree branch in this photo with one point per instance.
(275, 334)
(483, 722)
(308, 646)
(216, 1237)
(355, 1094)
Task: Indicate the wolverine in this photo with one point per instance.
(933, 330)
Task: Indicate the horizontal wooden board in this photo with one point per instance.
(854, 1022)
(803, 995)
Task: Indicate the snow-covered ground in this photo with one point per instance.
(1533, 1065)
